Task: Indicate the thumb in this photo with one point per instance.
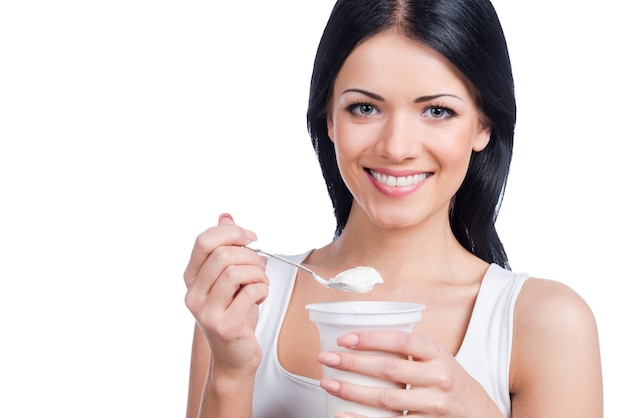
(225, 219)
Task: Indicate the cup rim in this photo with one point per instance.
(339, 307)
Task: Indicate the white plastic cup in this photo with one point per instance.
(334, 319)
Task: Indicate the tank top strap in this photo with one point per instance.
(486, 349)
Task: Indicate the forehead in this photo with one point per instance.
(389, 59)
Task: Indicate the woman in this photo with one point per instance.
(411, 113)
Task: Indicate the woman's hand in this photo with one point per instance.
(225, 284)
(439, 386)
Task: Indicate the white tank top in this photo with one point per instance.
(485, 351)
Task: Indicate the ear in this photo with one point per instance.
(482, 138)
(330, 127)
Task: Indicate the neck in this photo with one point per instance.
(425, 252)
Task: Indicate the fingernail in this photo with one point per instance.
(330, 386)
(224, 216)
(329, 359)
(348, 340)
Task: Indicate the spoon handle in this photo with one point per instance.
(284, 260)
(331, 284)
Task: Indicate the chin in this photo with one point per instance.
(395, 223)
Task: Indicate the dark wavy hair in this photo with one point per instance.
(469, 35)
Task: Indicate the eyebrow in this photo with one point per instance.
(365, 92)
(435, 96)
(418, 100)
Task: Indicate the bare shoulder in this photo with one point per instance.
(555, 355)
(544, 304)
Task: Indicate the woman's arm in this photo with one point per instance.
(214, 397)
(198, 372)
(555, 362)
(225, 285)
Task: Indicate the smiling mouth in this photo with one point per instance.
(399, 181)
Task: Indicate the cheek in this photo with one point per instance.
(353, 145)
(455, 149)
(346, 151)
(352, 140)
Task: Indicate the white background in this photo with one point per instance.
(127, 126)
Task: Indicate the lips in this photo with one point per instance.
(399, 181)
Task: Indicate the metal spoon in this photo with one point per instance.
(316, 276)
(334, 283)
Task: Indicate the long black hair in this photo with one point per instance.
(469, 35)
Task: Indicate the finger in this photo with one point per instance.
(386, 367)
(225, 218)
(226, 233)
(247, 299)
(416, 346)
(232, 281)
(433, 373)
(229, 257)
(418, 402)
(381, 398)
(227, 269)
(236, 322)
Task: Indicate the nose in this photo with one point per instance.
(400, 137)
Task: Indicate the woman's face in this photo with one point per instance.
(404, 124)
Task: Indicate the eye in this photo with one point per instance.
(363, 109)
(439, 112)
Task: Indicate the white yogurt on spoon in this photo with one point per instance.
(359, 279)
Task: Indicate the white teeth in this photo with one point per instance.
(398, 181)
